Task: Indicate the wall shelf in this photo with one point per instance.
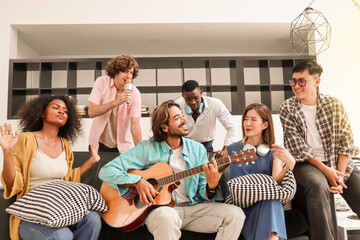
(237, 81)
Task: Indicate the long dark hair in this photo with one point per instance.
(31, 120)
(265, 114)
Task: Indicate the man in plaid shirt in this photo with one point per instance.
(318, 134)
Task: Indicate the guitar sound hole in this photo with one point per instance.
(154, 183)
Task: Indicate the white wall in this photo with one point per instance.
(25, 51)
(340, 62)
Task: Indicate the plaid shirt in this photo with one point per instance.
(333, 126)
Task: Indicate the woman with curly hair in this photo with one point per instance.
(115, 105)
(42, 154)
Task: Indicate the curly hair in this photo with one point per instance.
(122, 64)
(189, 86)
(160, 116)
(30, 116)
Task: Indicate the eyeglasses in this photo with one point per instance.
(301, 82)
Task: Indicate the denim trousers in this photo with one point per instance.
(87, 229)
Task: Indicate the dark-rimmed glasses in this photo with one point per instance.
(301, 82)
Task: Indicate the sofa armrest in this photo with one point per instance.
(4, 216)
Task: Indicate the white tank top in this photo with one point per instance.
(45, 169)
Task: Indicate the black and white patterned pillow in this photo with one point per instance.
(58, 204)
(247, 190)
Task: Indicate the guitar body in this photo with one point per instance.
(127, 215)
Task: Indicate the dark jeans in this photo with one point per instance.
(317, 194)
(104, 148)
(208, 145)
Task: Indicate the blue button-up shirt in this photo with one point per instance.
(146, 154)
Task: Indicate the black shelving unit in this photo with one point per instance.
(237, 81)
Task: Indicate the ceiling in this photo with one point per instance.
(157, 39)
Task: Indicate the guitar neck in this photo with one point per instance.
(189, 172)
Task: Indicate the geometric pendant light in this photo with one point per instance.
(310, 33)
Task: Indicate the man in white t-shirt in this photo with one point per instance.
(195, 209)
(201, 113)
(318, 134)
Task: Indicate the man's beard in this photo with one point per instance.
(177, 132)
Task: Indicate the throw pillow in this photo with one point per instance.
(58, 204)
(247, 190)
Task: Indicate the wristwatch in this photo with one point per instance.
(210, 191)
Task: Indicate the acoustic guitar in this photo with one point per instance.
(127, 215)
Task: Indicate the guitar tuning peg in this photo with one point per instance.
(251, 157)
(253, 162)
(247, 163)
(242, 153)
(240, 164)
(244, 158)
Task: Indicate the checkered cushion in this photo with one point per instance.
(247, 190)
(58, 204)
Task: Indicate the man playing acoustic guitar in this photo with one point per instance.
(192, 211)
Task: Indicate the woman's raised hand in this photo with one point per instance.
(283, 154)
(8, 139)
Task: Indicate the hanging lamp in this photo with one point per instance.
(310, 32)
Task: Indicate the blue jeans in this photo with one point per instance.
(87, 229)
